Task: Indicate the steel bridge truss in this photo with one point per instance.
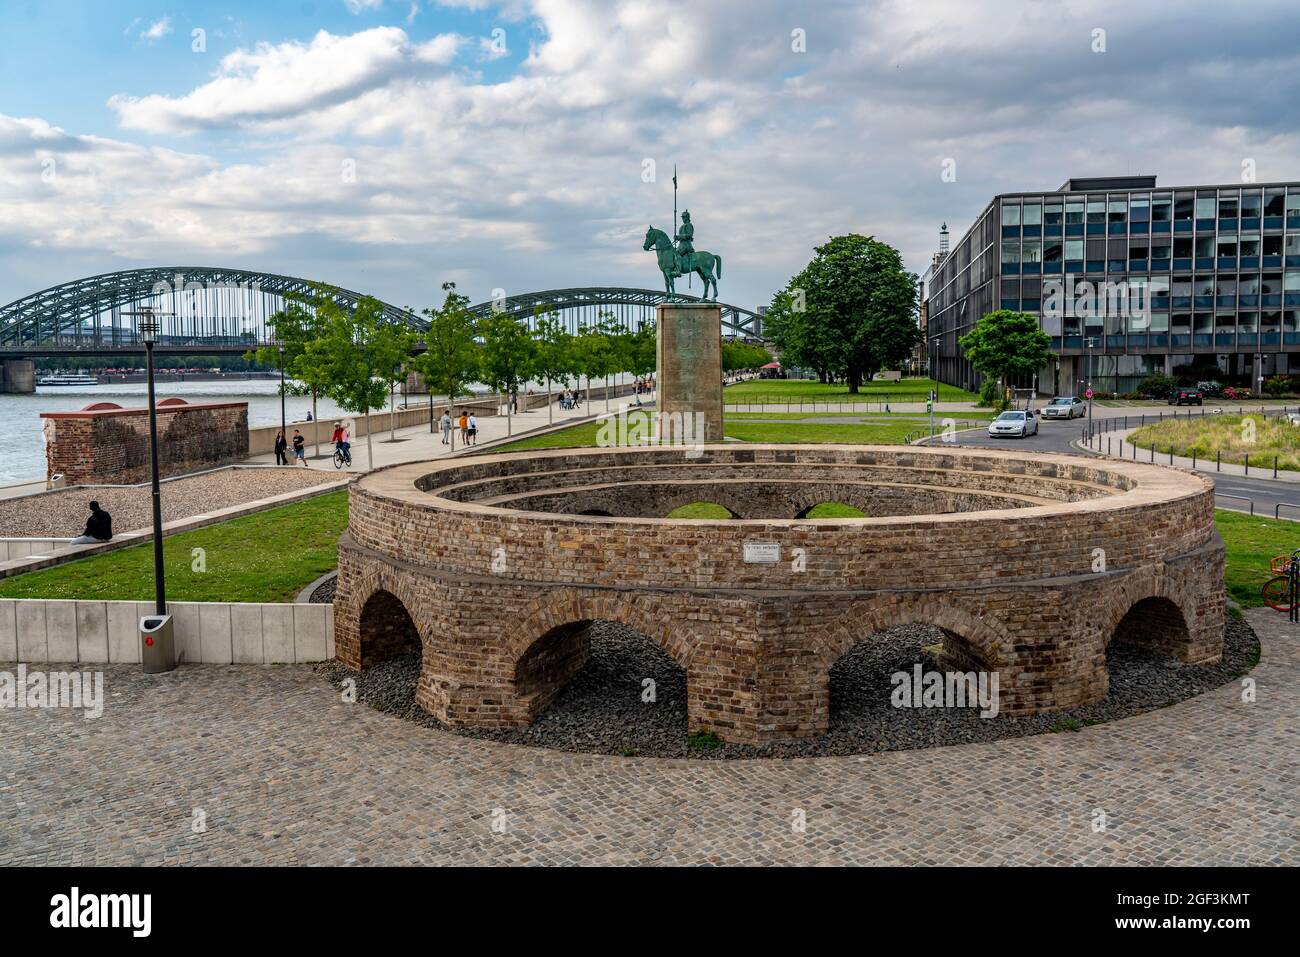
(628, 307)
(211, 310)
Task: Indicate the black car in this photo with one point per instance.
(1185, 396)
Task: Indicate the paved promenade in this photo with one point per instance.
(417, 444)
(279, 770)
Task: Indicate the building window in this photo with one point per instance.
(1228, 205)
(1161, 208)
(1052, 214)
(1205, 207)
(1139, 210)
(1183, 207)
(1073, 213)
(1096, 211)
(1011, 215)
(1118, 211)
(1251, 204)
(1033, 215)
(1274, 202)
(1160, 249)
(1074, 250)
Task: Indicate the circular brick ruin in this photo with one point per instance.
(1031, 565)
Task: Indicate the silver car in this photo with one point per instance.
(1065, 407)
(1014, 423)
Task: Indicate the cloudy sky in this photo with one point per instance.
(390, 145)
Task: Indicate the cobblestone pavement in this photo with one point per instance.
(284, 772)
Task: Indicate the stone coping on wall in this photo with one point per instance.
(1149, 484)
(162, 407)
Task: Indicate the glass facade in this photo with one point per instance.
(1216, 270)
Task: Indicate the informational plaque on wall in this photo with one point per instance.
(765, 553)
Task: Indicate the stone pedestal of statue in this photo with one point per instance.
(689, 372)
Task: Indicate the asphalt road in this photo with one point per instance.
(1057, 436)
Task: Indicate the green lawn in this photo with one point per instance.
(264, 557)
(712, 510)
(760, 427)
(1250, 543)
(1231, 436)
(785, 390)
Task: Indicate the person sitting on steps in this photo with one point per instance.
(99, 527)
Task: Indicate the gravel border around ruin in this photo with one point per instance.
(600, 711)
(62, 513)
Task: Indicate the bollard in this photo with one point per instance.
(1218, 465)
(1108, 445)
(1274, 466)
(1171, 455)
(1247, 463)
(1193, 460)
(1153, 452)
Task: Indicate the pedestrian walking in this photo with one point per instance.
(444, 424)
(280, 446)
(472, 429)
(299, 448)
(463, 424)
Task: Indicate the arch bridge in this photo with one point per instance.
(627, 306)
(205, 310)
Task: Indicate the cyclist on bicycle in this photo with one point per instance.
(341, 444)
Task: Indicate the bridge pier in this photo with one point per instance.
(18, 376)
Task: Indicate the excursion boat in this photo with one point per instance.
(68, 379)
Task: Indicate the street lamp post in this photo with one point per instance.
(149, 333)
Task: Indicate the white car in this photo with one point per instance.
(1065, 407)
(1013, 423)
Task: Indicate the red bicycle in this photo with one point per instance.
(1277, 590)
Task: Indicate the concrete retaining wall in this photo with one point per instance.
(36, 631)
(27, 547)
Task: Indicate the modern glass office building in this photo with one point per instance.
(1206, 275)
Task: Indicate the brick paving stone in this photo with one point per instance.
(287, 773)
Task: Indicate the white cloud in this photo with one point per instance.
(536, 180)
(273, 82)
(157, 30)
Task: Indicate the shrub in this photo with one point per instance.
(1158, 384)
(1278, 385)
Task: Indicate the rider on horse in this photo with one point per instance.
(685, 245)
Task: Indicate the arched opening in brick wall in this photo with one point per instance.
(831, 510)
(597, 511)
(1153, 629)
(881, 684)
(702, 510)
(386, 630)
(602, 677)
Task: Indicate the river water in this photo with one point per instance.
(20, 423)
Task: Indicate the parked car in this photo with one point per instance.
(1186, 395)
(1065, 407)
(1014, 423)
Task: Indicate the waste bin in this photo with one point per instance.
(157, 646)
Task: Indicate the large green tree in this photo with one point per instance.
(849, 312)
(450, 360)
(355, 353)
(554, 360)
(508, 357)
(294, 326)
(1007, 346)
